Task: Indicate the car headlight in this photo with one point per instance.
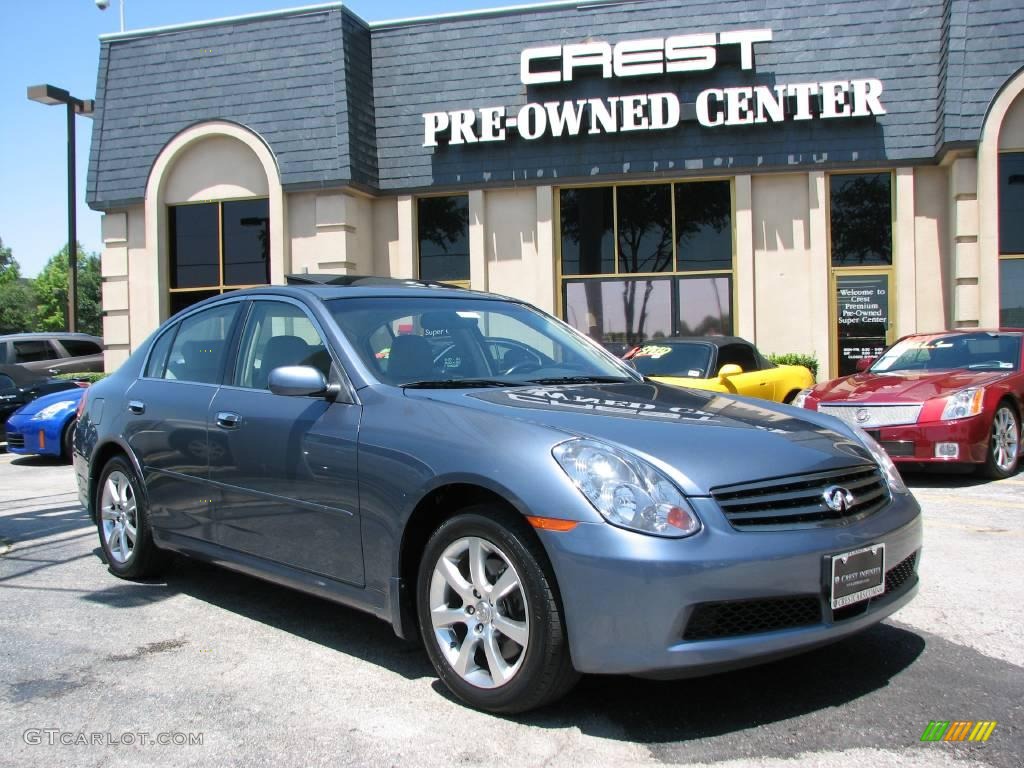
(966, 402)
(626, 490)
(888, 467)
(52, 410)
(800, 398)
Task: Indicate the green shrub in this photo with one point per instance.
(92, 378)
(795, 358)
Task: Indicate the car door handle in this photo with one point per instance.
(228, 420)
(137, 407)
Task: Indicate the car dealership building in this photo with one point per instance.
(818, 177)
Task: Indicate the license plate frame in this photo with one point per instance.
(857, 575)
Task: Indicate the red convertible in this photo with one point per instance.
(955, 396)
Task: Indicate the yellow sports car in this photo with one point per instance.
(721, 364)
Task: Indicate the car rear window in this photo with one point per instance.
(81, 347)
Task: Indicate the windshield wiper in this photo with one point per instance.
(459, 384)
(584, 380)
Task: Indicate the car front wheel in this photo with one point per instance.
(1003, 444)
(123, 522)
(489, 613)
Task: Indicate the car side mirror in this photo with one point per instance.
(864, 363)
(297, 381)
(731, 369)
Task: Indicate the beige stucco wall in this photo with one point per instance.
(330, 232)
(510, 242)
(127, 318)
(783, 297)
(932, 252)
(215, 168)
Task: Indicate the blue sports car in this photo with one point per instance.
(45, 425)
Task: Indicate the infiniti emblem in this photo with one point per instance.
(862, 415)
(837, 498)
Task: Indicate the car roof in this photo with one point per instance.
(49, 335)
(375, 288)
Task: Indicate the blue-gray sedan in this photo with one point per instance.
(484, 477)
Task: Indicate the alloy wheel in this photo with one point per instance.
(119, 515)
(1005, 439)
(479, 612)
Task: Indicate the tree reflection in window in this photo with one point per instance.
(443, 224)
(861, 219)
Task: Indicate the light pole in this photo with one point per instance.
(50, 95)
(104, 4)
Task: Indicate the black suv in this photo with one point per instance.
(54, 352)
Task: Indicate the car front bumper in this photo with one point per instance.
(915, 443)
(31, 438)
(631, 600)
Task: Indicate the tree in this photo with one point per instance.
(9, 269)
(17, 306)
(52, 292)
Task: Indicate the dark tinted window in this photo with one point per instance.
(195, 245)
(6, 382)
(180, 301)
(704, 225)
(705, 306)
(3, 351)
(443, 224)
(1011, 202)
(688, 360)
(31, 351)
(246, 242)
(587, 244)
(200, 346)
(81, 347)
(645, 228)
(630, 311)
(158, 356)
(861, 219)
(1011, 293)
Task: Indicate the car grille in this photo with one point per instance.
(15, 440)
(799, 501)
(868, 416)
(712, 621)
(895, 578)
(747, 617)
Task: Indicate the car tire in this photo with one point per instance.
(1003, 444)
(464, 624)
(122, 520)
(66, 438)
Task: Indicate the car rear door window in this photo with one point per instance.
(157, 363)
(81, 347)
(277, 334)
(33, 350)
(200, 346)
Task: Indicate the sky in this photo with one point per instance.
(57, 42)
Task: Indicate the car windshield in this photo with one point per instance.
(972, 351)
(453, 342)
(686, 360)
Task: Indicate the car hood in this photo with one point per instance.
(902, 386)
(70, 396)
(702, 439)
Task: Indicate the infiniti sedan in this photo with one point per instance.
(529, 517)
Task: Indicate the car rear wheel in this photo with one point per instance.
(123, 522)
(489, 613)
(1003, 444)
(66, 441)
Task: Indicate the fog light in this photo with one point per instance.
(947, 450)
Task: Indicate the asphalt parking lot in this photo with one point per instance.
(263, 676)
